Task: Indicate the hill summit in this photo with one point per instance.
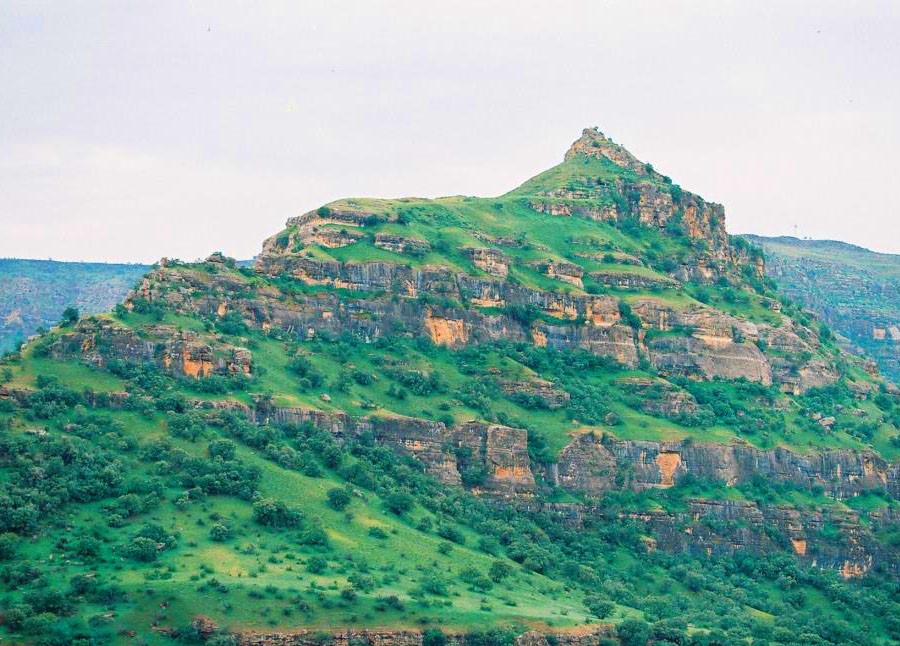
(577, 413)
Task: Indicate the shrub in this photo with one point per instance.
(433, 637)
(224, 449)
(232, 324)
(70, 316)
(310, 376)
(274, 513)
(601, 608)
(338, 498)
(629, 318)
(451, 533)
(499, 570)
(633, 632)
(434, 585)
(141, 549)
(399, 502)
(478, 581)
(8, 543)
(316, 565)
(220, 532)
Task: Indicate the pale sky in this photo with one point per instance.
(131, 131)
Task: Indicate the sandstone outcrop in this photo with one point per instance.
(183, 353)
(402, 244)
(490, 261)
(596, 636)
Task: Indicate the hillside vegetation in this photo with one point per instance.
(578, 413)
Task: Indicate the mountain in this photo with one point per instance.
(34, 293)
(577, 413)
(854, 290)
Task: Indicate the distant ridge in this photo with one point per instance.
(855, 290)
(34, 293)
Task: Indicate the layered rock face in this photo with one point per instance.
(714, 344)
(594, 637)
(593, 464)
(828, 538)
(595, 321)
(182, 353)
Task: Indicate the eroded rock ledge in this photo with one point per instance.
(593, 636)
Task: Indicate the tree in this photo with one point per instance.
(499, 570)
(220, 532)
(274, 513)
(70, 316)
(224, 449)
(316, 565)
(338, 498)
(633, 632)
(433, 637)
(398, 502)
(599, 606)
(141, 549)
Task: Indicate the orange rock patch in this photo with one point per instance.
(195, 368)
(446, 331)
(668, 463)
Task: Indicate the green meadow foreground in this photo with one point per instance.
(577, 413)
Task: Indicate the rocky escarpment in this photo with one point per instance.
(179, 352)
(709, 343)
(854, 290)
(498, 453)
(582, 321)
(491, 458)
(655, 204)
(703, 342)
(594, 463)
(595, 637)
(830, 538)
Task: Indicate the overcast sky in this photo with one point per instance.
(131, 131)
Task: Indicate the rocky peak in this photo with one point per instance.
(594, 143)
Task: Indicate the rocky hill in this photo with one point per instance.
(34, 293)
(577, 413)
(856, 291)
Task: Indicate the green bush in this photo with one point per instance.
(338, 498)
(633, 632)
(276, 514)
